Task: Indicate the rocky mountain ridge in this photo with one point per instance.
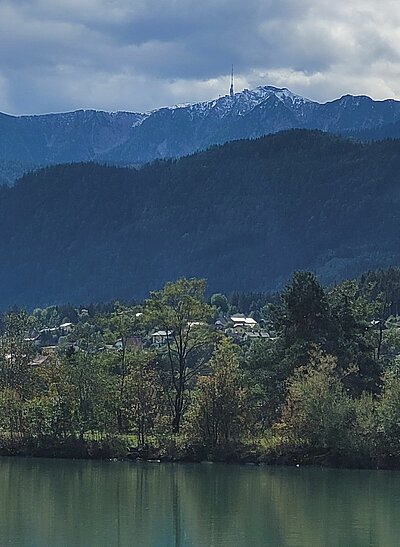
(133, 138)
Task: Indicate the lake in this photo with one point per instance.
(62, 503)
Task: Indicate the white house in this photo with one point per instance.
(66, 328)
(240, 320)
(159, 338)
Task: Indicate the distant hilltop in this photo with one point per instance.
(133, 138)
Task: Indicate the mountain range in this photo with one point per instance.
(244, 215)
(132, 138)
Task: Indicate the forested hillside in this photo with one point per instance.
(244, 216)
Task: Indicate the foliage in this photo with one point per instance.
(16, 352)
(389, 413)
(93, 393)
(143, 401)
(318, 411)
(10, 411)
(322, 383)
(365, 435)
(180, 310)
(267, 370)
(218, 414)
(220, 302)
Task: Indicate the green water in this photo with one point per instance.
(76, 503)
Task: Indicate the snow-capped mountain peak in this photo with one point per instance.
(241, 102)
(285, 95)
(133, 138)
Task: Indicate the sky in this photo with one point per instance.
(59, 55)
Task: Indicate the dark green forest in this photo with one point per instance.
(243, 215)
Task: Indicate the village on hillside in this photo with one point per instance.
(239, 328)
(49, 341)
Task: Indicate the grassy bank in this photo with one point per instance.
(271, 451)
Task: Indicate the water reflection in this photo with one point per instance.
(72, 503)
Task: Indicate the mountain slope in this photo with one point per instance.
(244, 215)
(10, 170)
(125, 138)
(56, 138)
(175, 132)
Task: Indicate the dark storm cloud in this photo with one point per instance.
(137, 55)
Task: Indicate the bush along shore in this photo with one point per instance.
(309, 376)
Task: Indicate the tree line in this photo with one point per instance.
(324, 386)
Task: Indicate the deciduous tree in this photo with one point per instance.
(181, 311)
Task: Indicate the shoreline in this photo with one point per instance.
(114, 449)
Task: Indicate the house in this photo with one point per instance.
(257, 335)
(220, 324)
(131, 342)
(66, 328)
(40, 360)
(239, 330)
(32, 337)
(241, 333)
(236, 334)
(241, 320)
(118, 345)
(48, 337)
(49, 330)
(159, 338)
(134, 342)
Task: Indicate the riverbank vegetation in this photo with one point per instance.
(161, 380)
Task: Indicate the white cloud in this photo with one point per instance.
(142, 54)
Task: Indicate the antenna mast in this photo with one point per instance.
(231, 91)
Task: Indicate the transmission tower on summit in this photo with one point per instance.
(231, 91)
